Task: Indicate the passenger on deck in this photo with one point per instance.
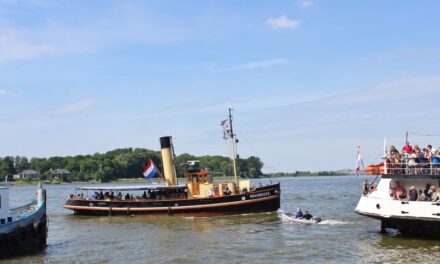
(95, 196)
(412, 161)
(127, 196)
(399, 192)
(412, 194)
(307, 215)
(226, 191)
(435, 161)
(427, 193)
(119, 196)
(407, 148)
(101, 196)
(112, 195)
(253, 187)
(431, 149)
(422, 196)
(299, 213)
(394, 152)
(432, 193)
(244, 190)
(211, 193)
(144, 195)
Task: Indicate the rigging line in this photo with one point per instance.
(377, 157)
(423, 135)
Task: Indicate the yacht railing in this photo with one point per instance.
(416, 169)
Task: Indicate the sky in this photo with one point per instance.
(309, 80)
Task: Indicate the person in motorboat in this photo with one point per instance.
(307, 215)
(299, 213)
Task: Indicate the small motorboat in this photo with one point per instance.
(291, 217)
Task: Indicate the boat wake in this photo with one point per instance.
(335, 222)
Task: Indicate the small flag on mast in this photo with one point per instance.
(150, 170)
(359, 162)
(226, 124)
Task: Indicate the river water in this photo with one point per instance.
(342, 237)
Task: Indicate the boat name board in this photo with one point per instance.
(259, 195)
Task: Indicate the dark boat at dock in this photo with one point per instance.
(23, 229)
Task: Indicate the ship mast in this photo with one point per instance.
(234, 148)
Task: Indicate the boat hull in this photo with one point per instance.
(25, 235)
(410, 226)
(266, 199)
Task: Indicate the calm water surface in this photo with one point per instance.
(343, 236)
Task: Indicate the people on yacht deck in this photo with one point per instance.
(427, 193)
(307, 215)
(432, 193)
(413, 194)
(101, 195)
(144, 195)
(127, 196)
(394, 152)
(299, 213)
(210, 193)
(422, 196)
(398, 191)
(244, 190)
(407, 148)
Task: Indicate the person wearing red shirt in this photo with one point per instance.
(407, 148)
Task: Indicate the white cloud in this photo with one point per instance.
(258, 64)
(78, 106)
(305, 3)
(283, 22)
(5, 93)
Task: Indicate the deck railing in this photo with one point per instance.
(417, 169)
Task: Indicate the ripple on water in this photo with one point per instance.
(342, 236)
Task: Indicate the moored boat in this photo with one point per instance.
(199, 196)
(404, 198)
(23, 229)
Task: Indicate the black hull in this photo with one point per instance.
(265, 199)
(409, 226)
(26, 235)
(424, 228)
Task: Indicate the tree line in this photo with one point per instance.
(122, 163)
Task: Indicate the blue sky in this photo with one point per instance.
(308, 80)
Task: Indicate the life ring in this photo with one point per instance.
(243, 198)
(91, 204)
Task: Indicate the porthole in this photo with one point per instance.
(378, 206)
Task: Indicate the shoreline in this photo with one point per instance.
(142, 180)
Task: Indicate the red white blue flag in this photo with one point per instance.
(150, 170)
(359, 162)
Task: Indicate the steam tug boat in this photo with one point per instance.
(398, 213)
(200, 196)
(22, 229)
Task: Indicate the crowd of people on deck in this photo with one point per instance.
(430, 193)
(414, 160)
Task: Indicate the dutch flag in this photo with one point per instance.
(150, 170)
